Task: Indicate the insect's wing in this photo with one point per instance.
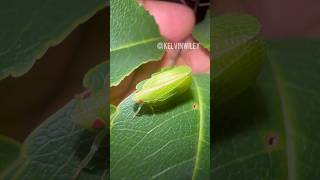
(161, 71)
(176, 88)
(166, 68)
(164, 85)
(167, 74)
(140, 84)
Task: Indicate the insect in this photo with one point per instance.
(91, 111)
(162, 86)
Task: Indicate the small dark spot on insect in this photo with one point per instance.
(98, 124)
(271, 141)
(83, 95)
(195, 106)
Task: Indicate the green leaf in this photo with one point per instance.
(97, 77)
(272, 130)
(9, 152)
(237, 70)
(55, 149)
(29, 28)
(202, 31)
(166, 142)
(237, 55)
(232, 30)
(134, 36)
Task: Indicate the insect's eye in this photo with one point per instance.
(140, 101)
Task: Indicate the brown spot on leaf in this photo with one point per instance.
(271, 141)
(195, 106)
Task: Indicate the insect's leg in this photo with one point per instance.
(94, 148)
(152, 109)
(138, 110)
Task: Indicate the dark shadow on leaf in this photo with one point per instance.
(237, 115)
(100, 162)
(165, 106)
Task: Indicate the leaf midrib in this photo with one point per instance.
(287, 120)
(127, 46)
(200, 134)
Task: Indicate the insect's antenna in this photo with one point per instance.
(94, 148)
(138, 110)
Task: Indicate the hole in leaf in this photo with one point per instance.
(271, 141)
(195, 106)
